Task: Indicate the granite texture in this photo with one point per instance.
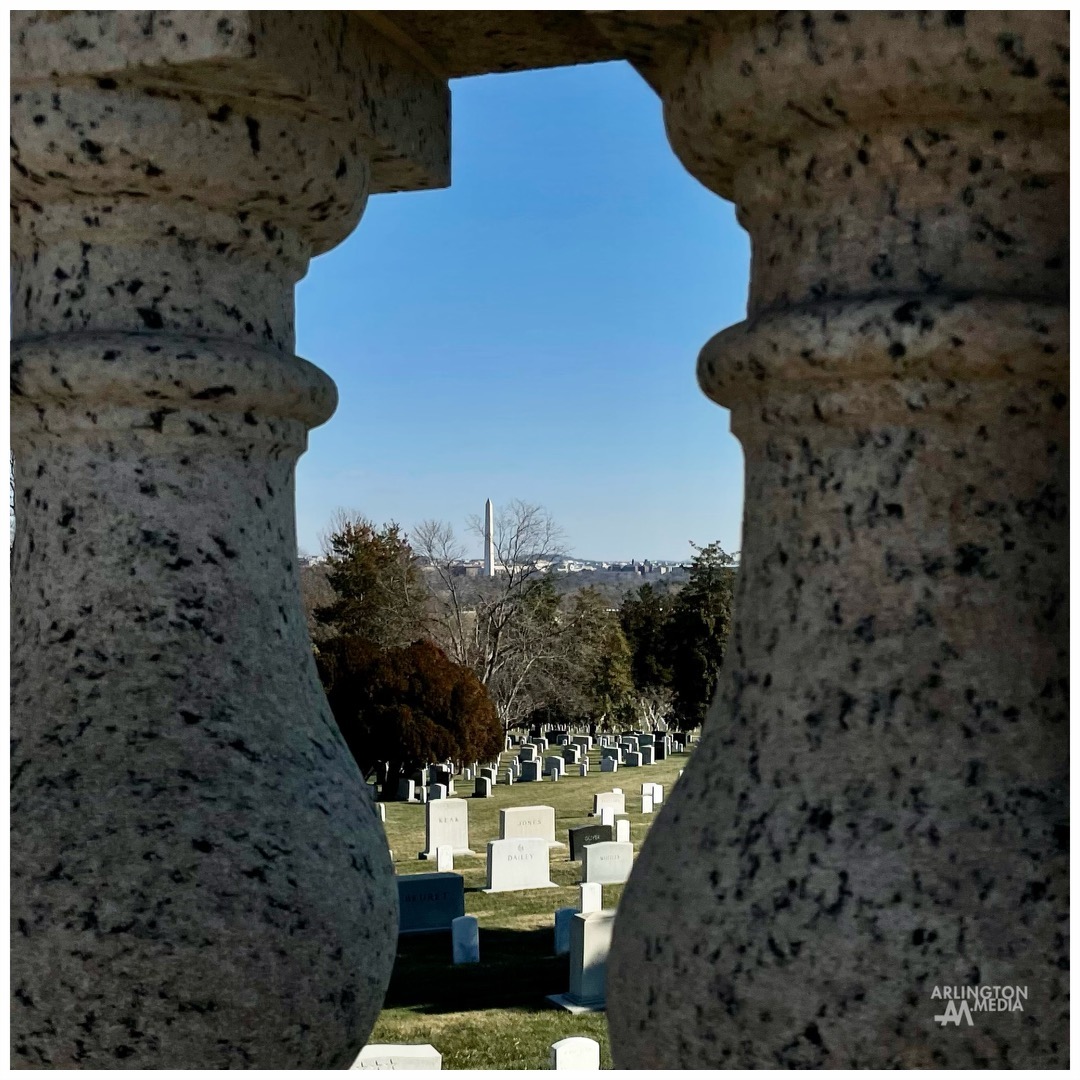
(879, 803)
(199, 879)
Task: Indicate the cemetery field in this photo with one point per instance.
(493, 1015)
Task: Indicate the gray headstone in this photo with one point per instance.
(609, 764)
(438, 791)
(406, 790)
(587, 834)
(465, 936)
(530, 771)
(632, 760)
(648, 756)
(428, 902)
(562, 929)
(482, 788)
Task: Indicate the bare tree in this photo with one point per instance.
(508, 628)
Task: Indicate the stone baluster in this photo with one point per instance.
(878, 806)
(199, 879)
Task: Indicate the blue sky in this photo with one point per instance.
(531, 332)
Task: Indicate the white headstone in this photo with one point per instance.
(614, 799)
(444, 858)
(657, 794)
(646, 804)
(583, 769)
(622, 830)
(465, 932)
(617, 790)
(398, 1056)
(519, 821)
(607, 863)
(577, 1053)
(590, 942)
(422, 795)
(590, 896)
(466, 774)
(607, 815)
(513, 865)
(562, 930)
(509, 777)
(382, 811)
(446, 822)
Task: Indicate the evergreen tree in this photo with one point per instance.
(378, 587)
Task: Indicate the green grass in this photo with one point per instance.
(493, 1015)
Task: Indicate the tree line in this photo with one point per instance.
(423, 660)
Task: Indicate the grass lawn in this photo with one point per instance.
(493, 1015)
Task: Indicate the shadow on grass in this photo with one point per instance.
(517, 969)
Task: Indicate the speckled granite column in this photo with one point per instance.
(879, 802)
(199, 880)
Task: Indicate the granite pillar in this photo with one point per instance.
(878, 805)
(199, 878)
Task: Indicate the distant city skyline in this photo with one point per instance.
(532, 332)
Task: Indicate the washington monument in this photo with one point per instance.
(489, 539)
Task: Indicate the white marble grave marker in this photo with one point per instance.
(577, 1053)
(446, 822)
(607, 863)
(465, 932)
(513, 865)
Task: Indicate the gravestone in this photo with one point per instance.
(446, 821)
(509, 777)
(437, 791)
(466, 774)
(657, 794)
(465, 936)
(563, 916)
(648, 756)
(519, 821)
(422, 778)
(530, 771)
(584, 741)
(586, 834)
(382, 811)
(590, 897)
(571, 755)
(617, 790)
(607, 816)
(488, 772)
(444, 858)
(590, 942)
(406, 790)
(632, 760)
(609, 764)
(554, 766)
(422, 795)
(622, 830)
(398, 1056)
(441, 775)
(615, 799)
(527, 753)
(577, 1052)
(583, 769)
(662, 748)
(646, 740)
(541, 744)
(610, 752)
(514, 865)
(607, 864)
(429, 902)
(646, 804)
(482, 789)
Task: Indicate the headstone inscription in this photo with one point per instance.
(519, 821)
(514, 865)
(465, 936)
(607, 863)
(398, 1056)
(428, 902)
(577, 1052)
(446, 822)
(584, 835)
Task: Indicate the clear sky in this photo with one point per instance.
(531, 332)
